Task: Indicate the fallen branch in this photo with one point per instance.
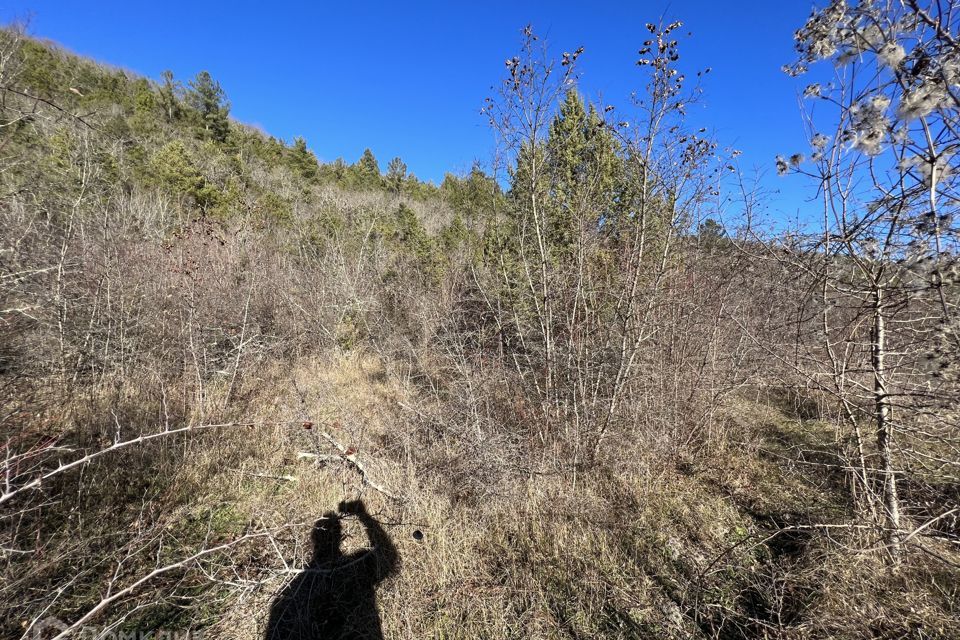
(345, 455)
(107, 601)
(349, 458)
(116, 446)
(283, 478)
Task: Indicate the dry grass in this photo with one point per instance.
(640, 546)
(641, 549)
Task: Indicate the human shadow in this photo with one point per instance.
(334, 597)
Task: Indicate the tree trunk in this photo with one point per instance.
(881, 407)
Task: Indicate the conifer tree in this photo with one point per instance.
(367, 170)
(168, 96)
(566, 148)
(339, 169)
(474, 195)
(584, 171)
(396, 174)
(606, 166)
(208, 99)
(302, 160)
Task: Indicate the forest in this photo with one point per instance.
(586, 390)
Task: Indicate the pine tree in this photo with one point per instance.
(302, 160)
(606, 170)
(339, 169)
(412, 239)
(168, 96)
(396, 175)
(367, 170)
(710, 231)
(208, 99)
(473, 196)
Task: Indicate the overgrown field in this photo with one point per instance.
(577, 404)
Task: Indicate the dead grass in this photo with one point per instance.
(638, 547)
(630, 552)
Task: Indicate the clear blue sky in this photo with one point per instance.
(409, 78)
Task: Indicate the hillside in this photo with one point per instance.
(564, 402)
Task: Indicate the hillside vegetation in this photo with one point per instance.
(578, 404)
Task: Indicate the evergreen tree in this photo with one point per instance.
(208, 99)
(144, 100)
(339, 169)
(578, 175)
(528, 175)
(606, 170)
(168, 96)
(174, 170)
(567, 157)
(396, 174)
(585, 171)
(710, 230)
(412, 239)
(302, 160)
(528, 184)
(144, 117)
(473, 196)
(367, 170)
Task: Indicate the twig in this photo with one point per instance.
(344, 455)
(284, 478)
(36, 483)
(243, 333)
(104, 603)
(350, 459)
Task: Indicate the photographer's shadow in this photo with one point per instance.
(334, 597)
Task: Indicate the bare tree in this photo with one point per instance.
(884, 139)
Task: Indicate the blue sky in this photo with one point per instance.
(409, 78)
